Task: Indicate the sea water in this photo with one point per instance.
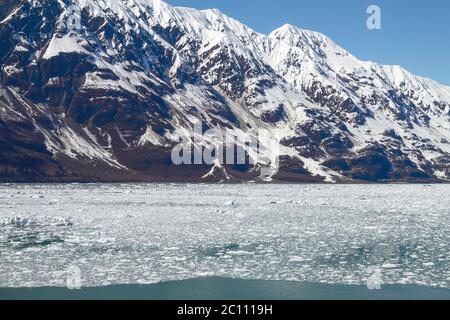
(148, 233)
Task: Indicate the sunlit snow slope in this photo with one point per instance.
(108, 101)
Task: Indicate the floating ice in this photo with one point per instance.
(130, 237)
(34, 221)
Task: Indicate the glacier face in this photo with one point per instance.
(148, 233)
(102, 101)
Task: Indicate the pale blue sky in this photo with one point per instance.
(415, 33)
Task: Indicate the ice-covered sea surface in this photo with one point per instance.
(147, 233)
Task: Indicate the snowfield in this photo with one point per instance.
(114, 90)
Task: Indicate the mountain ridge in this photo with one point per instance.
(108, 101)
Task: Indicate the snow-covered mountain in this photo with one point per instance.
(103, 90)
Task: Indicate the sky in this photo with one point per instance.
(414, 33)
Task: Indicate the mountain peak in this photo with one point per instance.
(136, 75)
(293, 33)
(285, 31)
(287, 27)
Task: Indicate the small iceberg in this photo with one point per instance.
(34, 221)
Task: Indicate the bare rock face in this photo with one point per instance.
(103, 90)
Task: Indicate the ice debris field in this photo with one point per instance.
(148, 233)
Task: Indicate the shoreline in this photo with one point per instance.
(251, 182)
(213, 288)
